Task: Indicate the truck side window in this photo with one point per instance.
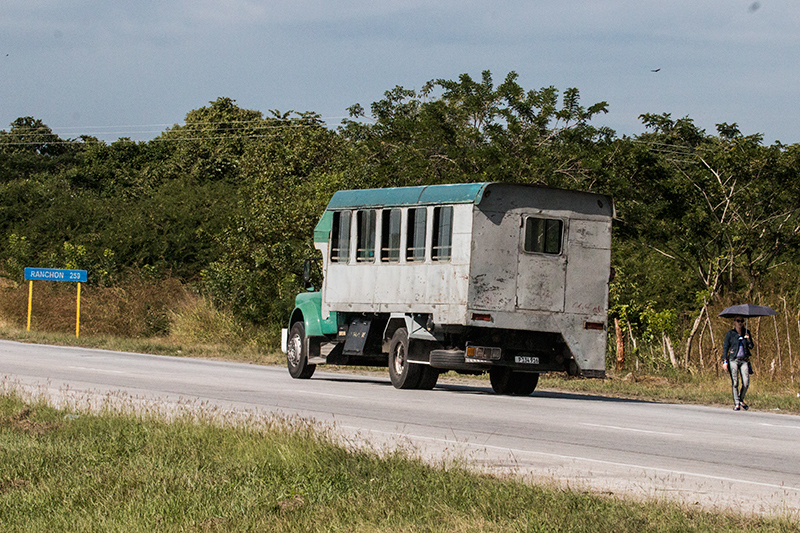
(415, 234)
(543, 235)
(442, 233)
(365, 236)
(390, 235)
(340, 237)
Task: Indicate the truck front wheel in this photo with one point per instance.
(296, 356)
(404, 375)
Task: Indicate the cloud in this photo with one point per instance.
(153, 61)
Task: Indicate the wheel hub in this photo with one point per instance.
(399, 359)
(293, 350)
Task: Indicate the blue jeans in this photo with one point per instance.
(739, 368)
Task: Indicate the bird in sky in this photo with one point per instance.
(655, 70)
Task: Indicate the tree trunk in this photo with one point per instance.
(671, 350)
(692, 333)
(777, 343)
(758, 336)
(788, 339)
(713, 341)
(798, 332)
(620, 364)
(700, 353)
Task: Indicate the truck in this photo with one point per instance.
(509, 279)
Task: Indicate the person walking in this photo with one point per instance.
(736, 361)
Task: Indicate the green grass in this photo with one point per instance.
(121, 471)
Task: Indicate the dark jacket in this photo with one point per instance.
(731, 345)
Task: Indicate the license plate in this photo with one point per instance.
(525, 360)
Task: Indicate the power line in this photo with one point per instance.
(203, 123)
(231, 135)
(255, 125)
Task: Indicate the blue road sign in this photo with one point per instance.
(55, 274)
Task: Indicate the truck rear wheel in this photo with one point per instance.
(501, 379)
(404, 375)
(506, 381)
(524, 383)
(296, 356)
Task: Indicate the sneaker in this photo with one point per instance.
(736, 407)
(744, 406)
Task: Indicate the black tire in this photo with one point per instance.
(447, 360)
(296, 356)
(428, 378)
(403, 374)
(524, 383)
(502, 381)
(506, 381)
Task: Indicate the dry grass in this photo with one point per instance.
(134, 309)
(160, 317)
(777, 343)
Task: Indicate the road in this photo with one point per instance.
(714, 457)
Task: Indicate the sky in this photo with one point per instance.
(132, 69)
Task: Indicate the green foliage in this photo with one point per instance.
(18, 253)
(725, 208)
(74, 256)
(475, 132)
(291, 176)
(229, 199)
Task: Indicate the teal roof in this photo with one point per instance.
(323, 228)
(458, 193)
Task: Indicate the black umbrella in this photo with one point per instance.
(747, 310)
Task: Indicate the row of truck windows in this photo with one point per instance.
(542, 235)
(366, 223)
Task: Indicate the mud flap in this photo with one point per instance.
(357, 335)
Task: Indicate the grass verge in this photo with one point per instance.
(117, 470)
(679, 387)
(244, 353)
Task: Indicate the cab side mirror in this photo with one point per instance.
(307, 275)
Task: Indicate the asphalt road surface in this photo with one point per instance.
(714, 457)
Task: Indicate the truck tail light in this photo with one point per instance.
(482, 353)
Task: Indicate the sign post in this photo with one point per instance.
(56, 274)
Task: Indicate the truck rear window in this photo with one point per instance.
(543, 235)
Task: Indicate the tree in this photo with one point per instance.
(209, 145)
(31, 147)
(31, 135)
(474, 131)
(287, 178)
(714, 204)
